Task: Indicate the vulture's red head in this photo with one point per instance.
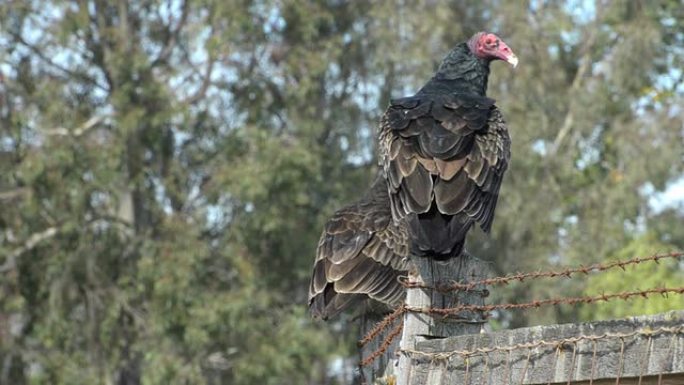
(488, 46)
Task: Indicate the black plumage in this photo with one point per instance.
(443, 153)
(361, 253)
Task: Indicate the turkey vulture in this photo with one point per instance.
(444, 150)
(360, 255)
(443, 153)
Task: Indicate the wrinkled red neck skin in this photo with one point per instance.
(473, 44)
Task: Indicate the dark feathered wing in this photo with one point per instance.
(361, 253)
(444, 157)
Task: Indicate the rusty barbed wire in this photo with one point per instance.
(384, 346)
(382, 325)
(567, 272)
(546, 302)
(644, 332)
(520, 277)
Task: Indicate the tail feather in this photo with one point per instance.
(438, 235)
(330, 303)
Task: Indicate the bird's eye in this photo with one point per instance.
(489, 40)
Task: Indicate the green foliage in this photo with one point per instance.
(166, 168)
(667, 273)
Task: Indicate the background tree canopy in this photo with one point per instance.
(167, 165)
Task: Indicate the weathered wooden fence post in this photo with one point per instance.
(429, 277)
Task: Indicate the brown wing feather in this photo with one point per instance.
(494, 146)
(361, 253)
(446, 153)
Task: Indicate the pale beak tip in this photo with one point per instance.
(513, 60)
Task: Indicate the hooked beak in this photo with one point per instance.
(505, 53)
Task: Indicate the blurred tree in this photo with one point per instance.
(155, 174)
(642, 276)
(166, 167)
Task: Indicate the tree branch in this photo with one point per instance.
(206, 82)
(30, 244)
(172, 37)
(39, 53)
(80, 130)
(37, 238)
(576, 83)
(11, 194)
(585, 63)
(95, 44)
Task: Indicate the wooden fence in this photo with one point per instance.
(443, 341)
